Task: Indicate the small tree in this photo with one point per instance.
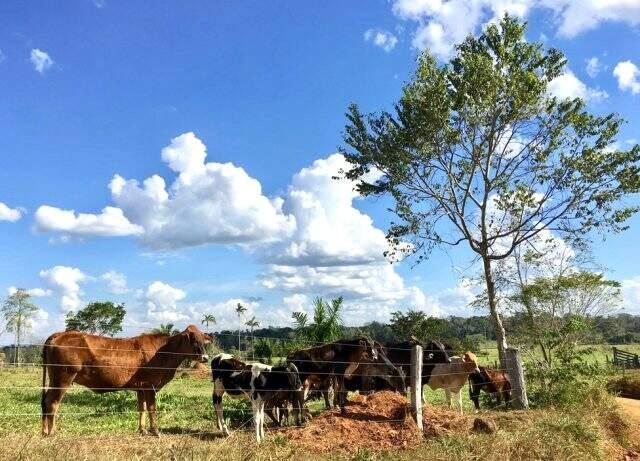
(252, 323)
(18, 311)
(327, 323)
(240, 310)
(102, 318)
(208, 319)
(560, 310)
(420, 325)
(479, 152)
(166, 329)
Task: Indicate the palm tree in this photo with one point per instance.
(327, 323)
(17, 312)
(252, 323)
(208, 319)
(166, 329)
(240, 309)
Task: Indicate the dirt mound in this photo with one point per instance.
(379, 421)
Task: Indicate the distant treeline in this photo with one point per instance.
(464, 332)
(617, 329)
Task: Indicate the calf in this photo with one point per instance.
(491, 381)
(256, 381)
(452, 376)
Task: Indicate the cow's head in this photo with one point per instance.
(197, 343)
(470, 357)
(392, 374)
(435, 352)
(369, 348)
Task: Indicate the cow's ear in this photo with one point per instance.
(192, 337)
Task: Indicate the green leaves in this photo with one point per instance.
(103, 318)
(327, 323)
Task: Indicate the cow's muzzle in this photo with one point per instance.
(204, 358)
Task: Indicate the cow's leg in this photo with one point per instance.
(459, 400)
(141, 409)
(255, 409)
(261, 413)
(340, 392)
(447, 393)
(150, 398)
(60, 380)
(217, 404)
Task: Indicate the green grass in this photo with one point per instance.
(103, 426)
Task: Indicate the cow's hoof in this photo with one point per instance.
(155, 432)
(142, 432)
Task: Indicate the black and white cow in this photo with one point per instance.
(258, 382)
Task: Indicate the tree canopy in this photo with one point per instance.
(477, 151)
(102, 318)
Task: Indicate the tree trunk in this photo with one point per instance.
(17, 354)
(501, 336)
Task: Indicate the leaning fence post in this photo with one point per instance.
(516, 374)
(416, 386)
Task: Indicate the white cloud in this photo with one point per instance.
(116, 282)
(110, 223)
(162, 302)
(440, 24)
(9, 214)
(41, 60)
(327, 222)
(631, 295)
(65, 281)
(594, 66)
(628, 75)
(35, 292)
(568, 85)
(574, 17)
(207, 203)
(381, 38)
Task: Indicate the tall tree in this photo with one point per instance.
(208, 319)
(102, 318)
(18, 310)
(252, 323)
(479, 152)
(327, 322)
(240, 310)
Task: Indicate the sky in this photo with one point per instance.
(180, 158)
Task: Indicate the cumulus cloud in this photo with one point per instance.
(35, 292)
(116, 282)
(568, 85)
(41, 60)
(110, 223)
(335, 250)
(440, 24)
(9, 214)
(162, 302)
(65, 281)
(631, 295)
(381, 38)
(207, 203)
(628, 75)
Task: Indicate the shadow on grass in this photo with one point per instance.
(196, 433)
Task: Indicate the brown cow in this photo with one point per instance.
(493, 382)
(143, 363)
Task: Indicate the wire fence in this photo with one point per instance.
(141, 358)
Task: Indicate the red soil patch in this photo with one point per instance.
(379, 421)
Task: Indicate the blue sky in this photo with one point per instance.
(91, 90)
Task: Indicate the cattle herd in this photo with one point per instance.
(146, 363)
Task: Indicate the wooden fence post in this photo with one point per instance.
(516, 374)
(416, 386)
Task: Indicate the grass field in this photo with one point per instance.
(93, 426)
